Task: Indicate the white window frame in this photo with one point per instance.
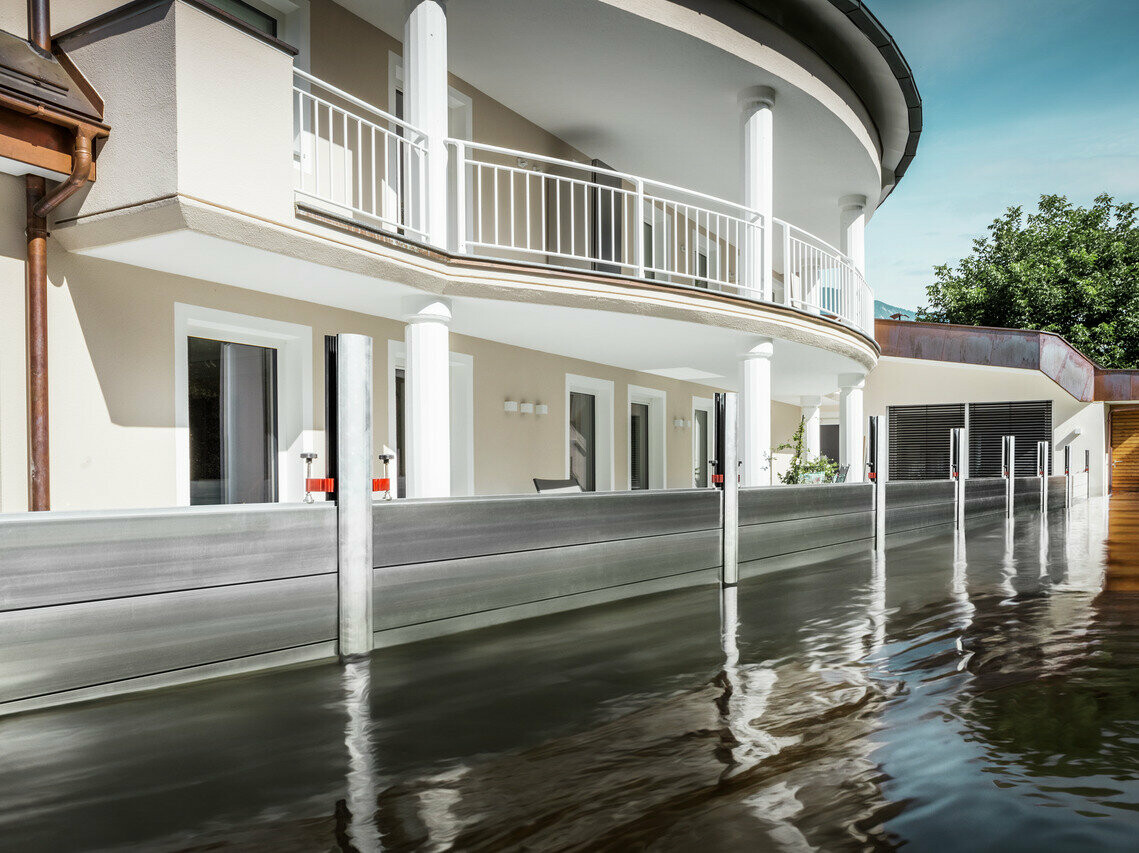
(657, 401)
(704, 404)
(711, 250)
(462, 409)
(602, 391)
(293, 343)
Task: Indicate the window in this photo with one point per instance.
(828, 441)
(583, 439)
(233, 422)
(919, 440)
(400, 441)
(1029, 421)
(638, 446)
(249, 14)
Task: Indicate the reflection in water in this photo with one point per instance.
(974, 690)
(1123, 543)
(361, 830)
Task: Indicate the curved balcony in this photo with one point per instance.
(360, 163)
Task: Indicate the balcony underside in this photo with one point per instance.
(673, 331)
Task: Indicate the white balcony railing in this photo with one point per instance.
(818, 278)
(358, 162)
(355, 160)
(525, 207)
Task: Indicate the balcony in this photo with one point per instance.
(361, 164)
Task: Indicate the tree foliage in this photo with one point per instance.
(1063, 268)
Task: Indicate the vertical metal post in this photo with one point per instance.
(1067, 475)
(638, 226)
(354, 492)
(727, 465)
(956, 469)
(1088, 474)
(877, 475)
(458, 151)
(1042, 472)
(1008, 471)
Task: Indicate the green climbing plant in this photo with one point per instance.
(803, 466)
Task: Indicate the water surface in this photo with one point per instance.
(957, 693)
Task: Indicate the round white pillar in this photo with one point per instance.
(755, 414)
(812, 425)
(853, 223)
(427, 413)
(759, 183)
(851, 426)
(426, 106)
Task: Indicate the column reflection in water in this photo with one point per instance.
(959, 587)
(1042, 547)
(746, 691)
(877, 601)
(361, 800)
(1008, 563)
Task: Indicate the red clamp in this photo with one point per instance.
(325, 485)
(381, 484)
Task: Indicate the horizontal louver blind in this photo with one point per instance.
(919, 440)
(1029, 421)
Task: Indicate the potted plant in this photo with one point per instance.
(803, 467)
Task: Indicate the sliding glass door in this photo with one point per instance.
(233, 422)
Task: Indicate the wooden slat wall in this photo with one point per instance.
(1125, 451)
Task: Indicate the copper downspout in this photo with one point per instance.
(39, 205)
(39, 24)
(39, 495)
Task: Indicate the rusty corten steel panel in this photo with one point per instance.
(1017, 348)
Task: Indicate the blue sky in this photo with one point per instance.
(1020, 98)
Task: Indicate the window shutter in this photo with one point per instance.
(1029, 421)
(919, 440)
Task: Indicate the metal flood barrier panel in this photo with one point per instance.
(914, 504)
(776, 521)
(983, 496)
(1057, 492)
(1026, 493)
(447, 558)
(93, 601)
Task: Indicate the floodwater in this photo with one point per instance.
(953, 694)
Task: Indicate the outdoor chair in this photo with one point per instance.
(840, 477)
(555, 487)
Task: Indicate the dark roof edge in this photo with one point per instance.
(859, 15)
(138, 6)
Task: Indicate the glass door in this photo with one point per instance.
(638, 446)
(233, 422)
(583, 440)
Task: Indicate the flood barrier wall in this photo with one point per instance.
(93, 603)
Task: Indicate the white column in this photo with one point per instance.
(851, 426)
(427, 416)
(759, 180)
(755, 414)
(426, 107)
(812, 423)
(852, 221)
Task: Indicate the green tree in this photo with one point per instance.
(1063, 268)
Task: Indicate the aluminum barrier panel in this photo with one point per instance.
(776, 521)
(92, 600)
(1057, 492)
(914, 504)
(442, 559)
(1026, 493)
(983, 496)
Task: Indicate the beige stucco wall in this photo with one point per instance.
(112, 387)
(899, 382)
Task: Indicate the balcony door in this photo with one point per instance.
(233, 422)
(638, 446)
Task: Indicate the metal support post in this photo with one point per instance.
(956, 473)
(1008, 471)
(726, 478)
(354, 492)
(1042, 472)
(876, 468)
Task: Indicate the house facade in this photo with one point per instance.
(564, 225)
